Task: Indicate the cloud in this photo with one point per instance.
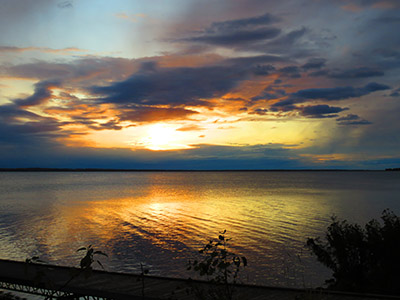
(263, 70)
(237, 33)
(80, 73)
(314, 63)
(19, 127)
(361, 72)
(395, 93)
(65, 4)
(254, 61)
(388, 19)
(191, 127)
(360, 5)
(331, 94)
(41, 94)
(288, 43)
(244, 23)
(63, 51)
(237, 37)
(381, 4)
(155, 114)
(171, 86)
(259, 111)
(109, 125)
(352, 119)
(321, 111)
(291, 71)
(271, 92)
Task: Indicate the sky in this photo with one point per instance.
(200, 84)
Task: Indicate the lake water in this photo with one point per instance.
(161, 219)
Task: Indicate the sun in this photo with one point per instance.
(163, 137)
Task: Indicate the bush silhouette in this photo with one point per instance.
(362, 259)
(220, 266)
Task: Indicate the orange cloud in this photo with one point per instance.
(352, 7)
(64, 51)
(190, 128)
(155, 114)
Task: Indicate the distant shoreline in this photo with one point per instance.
(183, 170)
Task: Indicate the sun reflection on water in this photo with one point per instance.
(162, 219)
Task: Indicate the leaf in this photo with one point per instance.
(86, 262)
(100, 264)
(244, 260)
(80, 249)
(221, 237)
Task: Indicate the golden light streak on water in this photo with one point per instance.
(162, 219)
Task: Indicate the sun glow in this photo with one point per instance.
(163, 137)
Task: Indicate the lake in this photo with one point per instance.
(161, 219)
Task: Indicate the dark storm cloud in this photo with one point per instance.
(237, 37)
(362, 72)
(236, 32)
(289, 43)
(352, 119)
(321, 111)
(263, 70)
(331, 94)
(172, 86)
(41, 94)
(339, 93)
(21, 127)
(10, 111)
(290, 71)
(314, 63)
(244, 23)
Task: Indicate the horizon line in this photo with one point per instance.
(40, 169)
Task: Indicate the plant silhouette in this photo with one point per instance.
(88, 260)
(220, 266)
(362, 259)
